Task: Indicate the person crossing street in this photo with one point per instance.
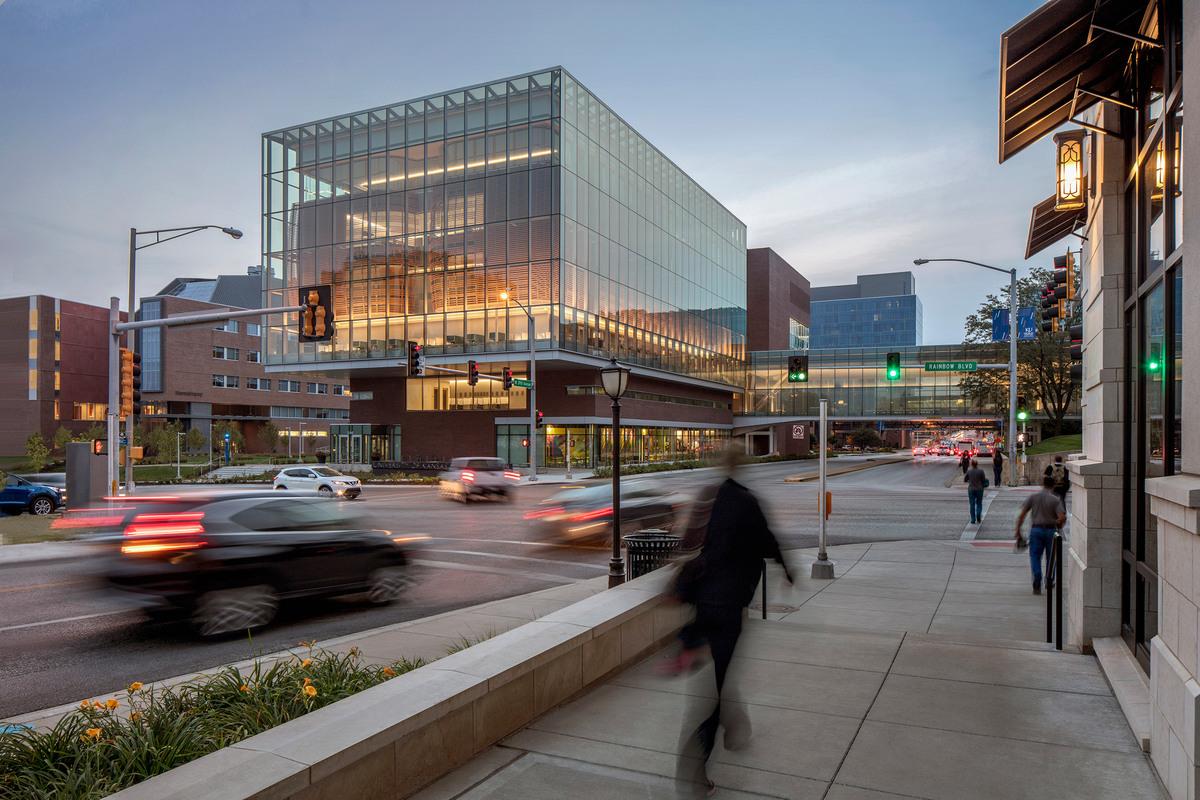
(976, 482)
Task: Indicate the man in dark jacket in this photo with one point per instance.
(997, 465)
(976, 482)
(721, 586)
(964, 461)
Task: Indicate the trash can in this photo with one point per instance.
(648, 550)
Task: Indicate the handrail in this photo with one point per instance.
(1054, 598)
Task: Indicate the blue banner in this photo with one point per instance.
(1026, 324)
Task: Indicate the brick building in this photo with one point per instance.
(203, 374)
(56, 356)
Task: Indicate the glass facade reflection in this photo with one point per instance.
(867, 322)
(422, 212)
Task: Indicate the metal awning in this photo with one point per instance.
(1060, 60)
(1047, 226)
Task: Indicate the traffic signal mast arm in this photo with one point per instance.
(207, 316)
(449, 371)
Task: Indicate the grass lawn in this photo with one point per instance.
(28, 528)
(164, 472)
(1072, 443)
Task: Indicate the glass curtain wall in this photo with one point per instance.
(653, 268)
(419, 214)
(1153, 310)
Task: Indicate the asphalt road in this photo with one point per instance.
(62, 640)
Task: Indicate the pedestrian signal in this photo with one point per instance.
(316, 318)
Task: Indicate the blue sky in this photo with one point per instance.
(850, 136)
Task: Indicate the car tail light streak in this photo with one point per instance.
(596, 513)
(164, 532)
(544, 512)
(512, 475)
(468, 476)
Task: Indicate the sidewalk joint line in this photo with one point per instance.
(867, 713)
(945, 590)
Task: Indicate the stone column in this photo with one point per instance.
(1093, 558)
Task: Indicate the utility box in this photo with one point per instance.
(87, 475)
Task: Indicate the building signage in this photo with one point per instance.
(523, 383)
(951, 366)
(798, 432)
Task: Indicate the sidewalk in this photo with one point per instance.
(917, 673)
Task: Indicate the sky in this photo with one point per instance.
(851, 136)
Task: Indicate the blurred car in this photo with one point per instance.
(475, 477)
(944, 450)
(918, 450)
(580, 513)
(227, 560)
(19, 494)
(326, 480)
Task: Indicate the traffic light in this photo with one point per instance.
(539, 419)
(472, 373)
(507, 378)
(416, 360)
(1050, 308)
(1076, 334)
(131, 383)
(893, 367)
(1022, 409)
(797, 369)
(316, 319)
(99, 447)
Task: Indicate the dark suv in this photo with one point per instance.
(19, 494)
(227, 560)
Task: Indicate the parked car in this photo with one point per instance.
(227, 560)
(579, 513)
(326, 480)
(20, 495)
(477, 477)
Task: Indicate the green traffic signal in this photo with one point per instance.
(893, 367)
(1022, 415)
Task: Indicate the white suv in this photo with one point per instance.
(468, 478)
(325, 480)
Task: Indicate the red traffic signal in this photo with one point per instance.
(539, 419)
(508, 378)
(472, 373)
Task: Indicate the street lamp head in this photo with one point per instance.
(234, 232)
(920, 261)
(504, 294)
(615, 379)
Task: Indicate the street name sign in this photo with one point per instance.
(951, 366)
(523, 383)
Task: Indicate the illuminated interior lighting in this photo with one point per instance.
(458, 167)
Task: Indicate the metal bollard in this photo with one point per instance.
(1058, 591)
(764, 591)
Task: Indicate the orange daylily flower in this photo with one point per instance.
(133, 687)
(111, 703)
(310, 690)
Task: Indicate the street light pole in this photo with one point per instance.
(1011, 432)
(178, 451)
(506, 296)
(615, 380)
(131, 338)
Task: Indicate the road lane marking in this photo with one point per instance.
(524, 542)
(538, 576)
(63, 619)
(969, 531)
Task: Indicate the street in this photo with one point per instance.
(61, 640)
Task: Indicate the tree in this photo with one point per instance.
(36, 451)
(194, 440)
(1043, 363)
(62, 437)
(97, 431)
(219, 429)
(866, 437)
(269, 434)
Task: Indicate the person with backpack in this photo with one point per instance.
(1062, 479)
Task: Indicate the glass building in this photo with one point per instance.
(867, 322)
(421, 213)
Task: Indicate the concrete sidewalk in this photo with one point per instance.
(917, 673)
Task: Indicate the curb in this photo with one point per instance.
(804, 478)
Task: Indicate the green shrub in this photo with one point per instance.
(103, 747)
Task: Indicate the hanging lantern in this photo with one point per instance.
(1160, 168)
(1069, 182)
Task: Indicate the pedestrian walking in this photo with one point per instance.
(1048, 515)
(997, 465)
(1062, 479)
(720, 582)
(964, 462)
(976, 482)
